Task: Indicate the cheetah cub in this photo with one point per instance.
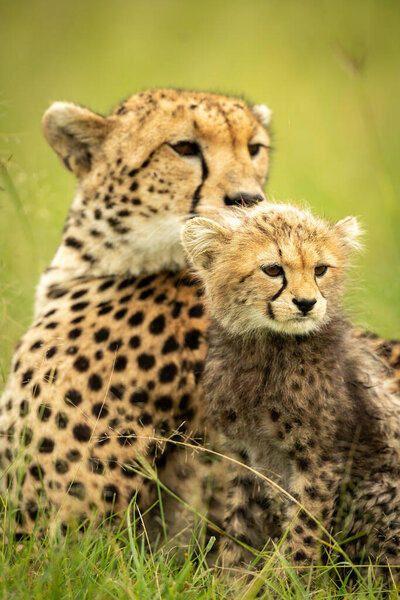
(304, 403)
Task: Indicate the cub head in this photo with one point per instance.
(161, 157)
(272, 268)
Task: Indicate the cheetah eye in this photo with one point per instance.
(272, 271)
(254, 149)
(186, 148)
(320, 271)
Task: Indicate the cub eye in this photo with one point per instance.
(186, 148)
(321, 270)
(272, 271)
(254, 149)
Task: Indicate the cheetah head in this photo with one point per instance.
(162, 157)
(273, 268)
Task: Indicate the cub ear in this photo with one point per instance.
(263, 114)
(75, 133)
(350, 233)
(201, 239)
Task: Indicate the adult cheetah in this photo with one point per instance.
(114, 355)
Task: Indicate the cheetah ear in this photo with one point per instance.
(75, 133)
(201, 239)
(263, 114)
(350, 232)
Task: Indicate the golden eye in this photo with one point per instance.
(254, 149)
(320, 271)
(272, 271)
(186, 148)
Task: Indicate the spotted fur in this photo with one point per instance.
(111, 364)
(303, 400)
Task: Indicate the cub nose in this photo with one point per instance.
(304, 305)
(243, 199)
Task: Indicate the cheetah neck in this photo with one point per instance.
(93, 248)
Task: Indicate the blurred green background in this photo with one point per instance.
(328, 69)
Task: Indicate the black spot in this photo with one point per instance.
(78, 294)
(119, 314)
(56, 292)
(134, 186)
(103, 439)
(81, 364)
(129, 470)
(105, 310)
(76, 489)
(198, 370)
(145, 281)
(139, 398)
(72, 350)
(99, 355)
(24, 408)
(146, 361)
(95, 382)
(167, 373)
(32, 509)
(145, 419)
(115, 345)
(126, 283)
(117, 391)
(192, 339)
(61, 466)
(136, 319)
(73, 455)
(37, 472)
(303, 464)
(50, 376)
(73, 397)
(99, 410)
(26, 436)
(78, 306)
(35, 390)
(125, 299)
(107, 284)
(196, 311)
(170, 345)
(126, 437)
(146, 294)
(110, 493)
(44, 412)
(26, 377)
(74, 333)
(274, 414)
(164, 403)
(300, 556)
(61, 420)
(37, 345)
(95, 465)
(51, 325)
(73, 243)
(82, 432)
(102, 335)
(120, 363)
(134, 342)
(157, 325)
(160, 298)
(176, 311)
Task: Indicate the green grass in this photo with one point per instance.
(329, 70)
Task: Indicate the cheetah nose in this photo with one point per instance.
(243, 199)
(304, 305)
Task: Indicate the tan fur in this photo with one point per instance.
(309, 406)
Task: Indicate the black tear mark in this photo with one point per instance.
(280, 291)
(197, 193)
